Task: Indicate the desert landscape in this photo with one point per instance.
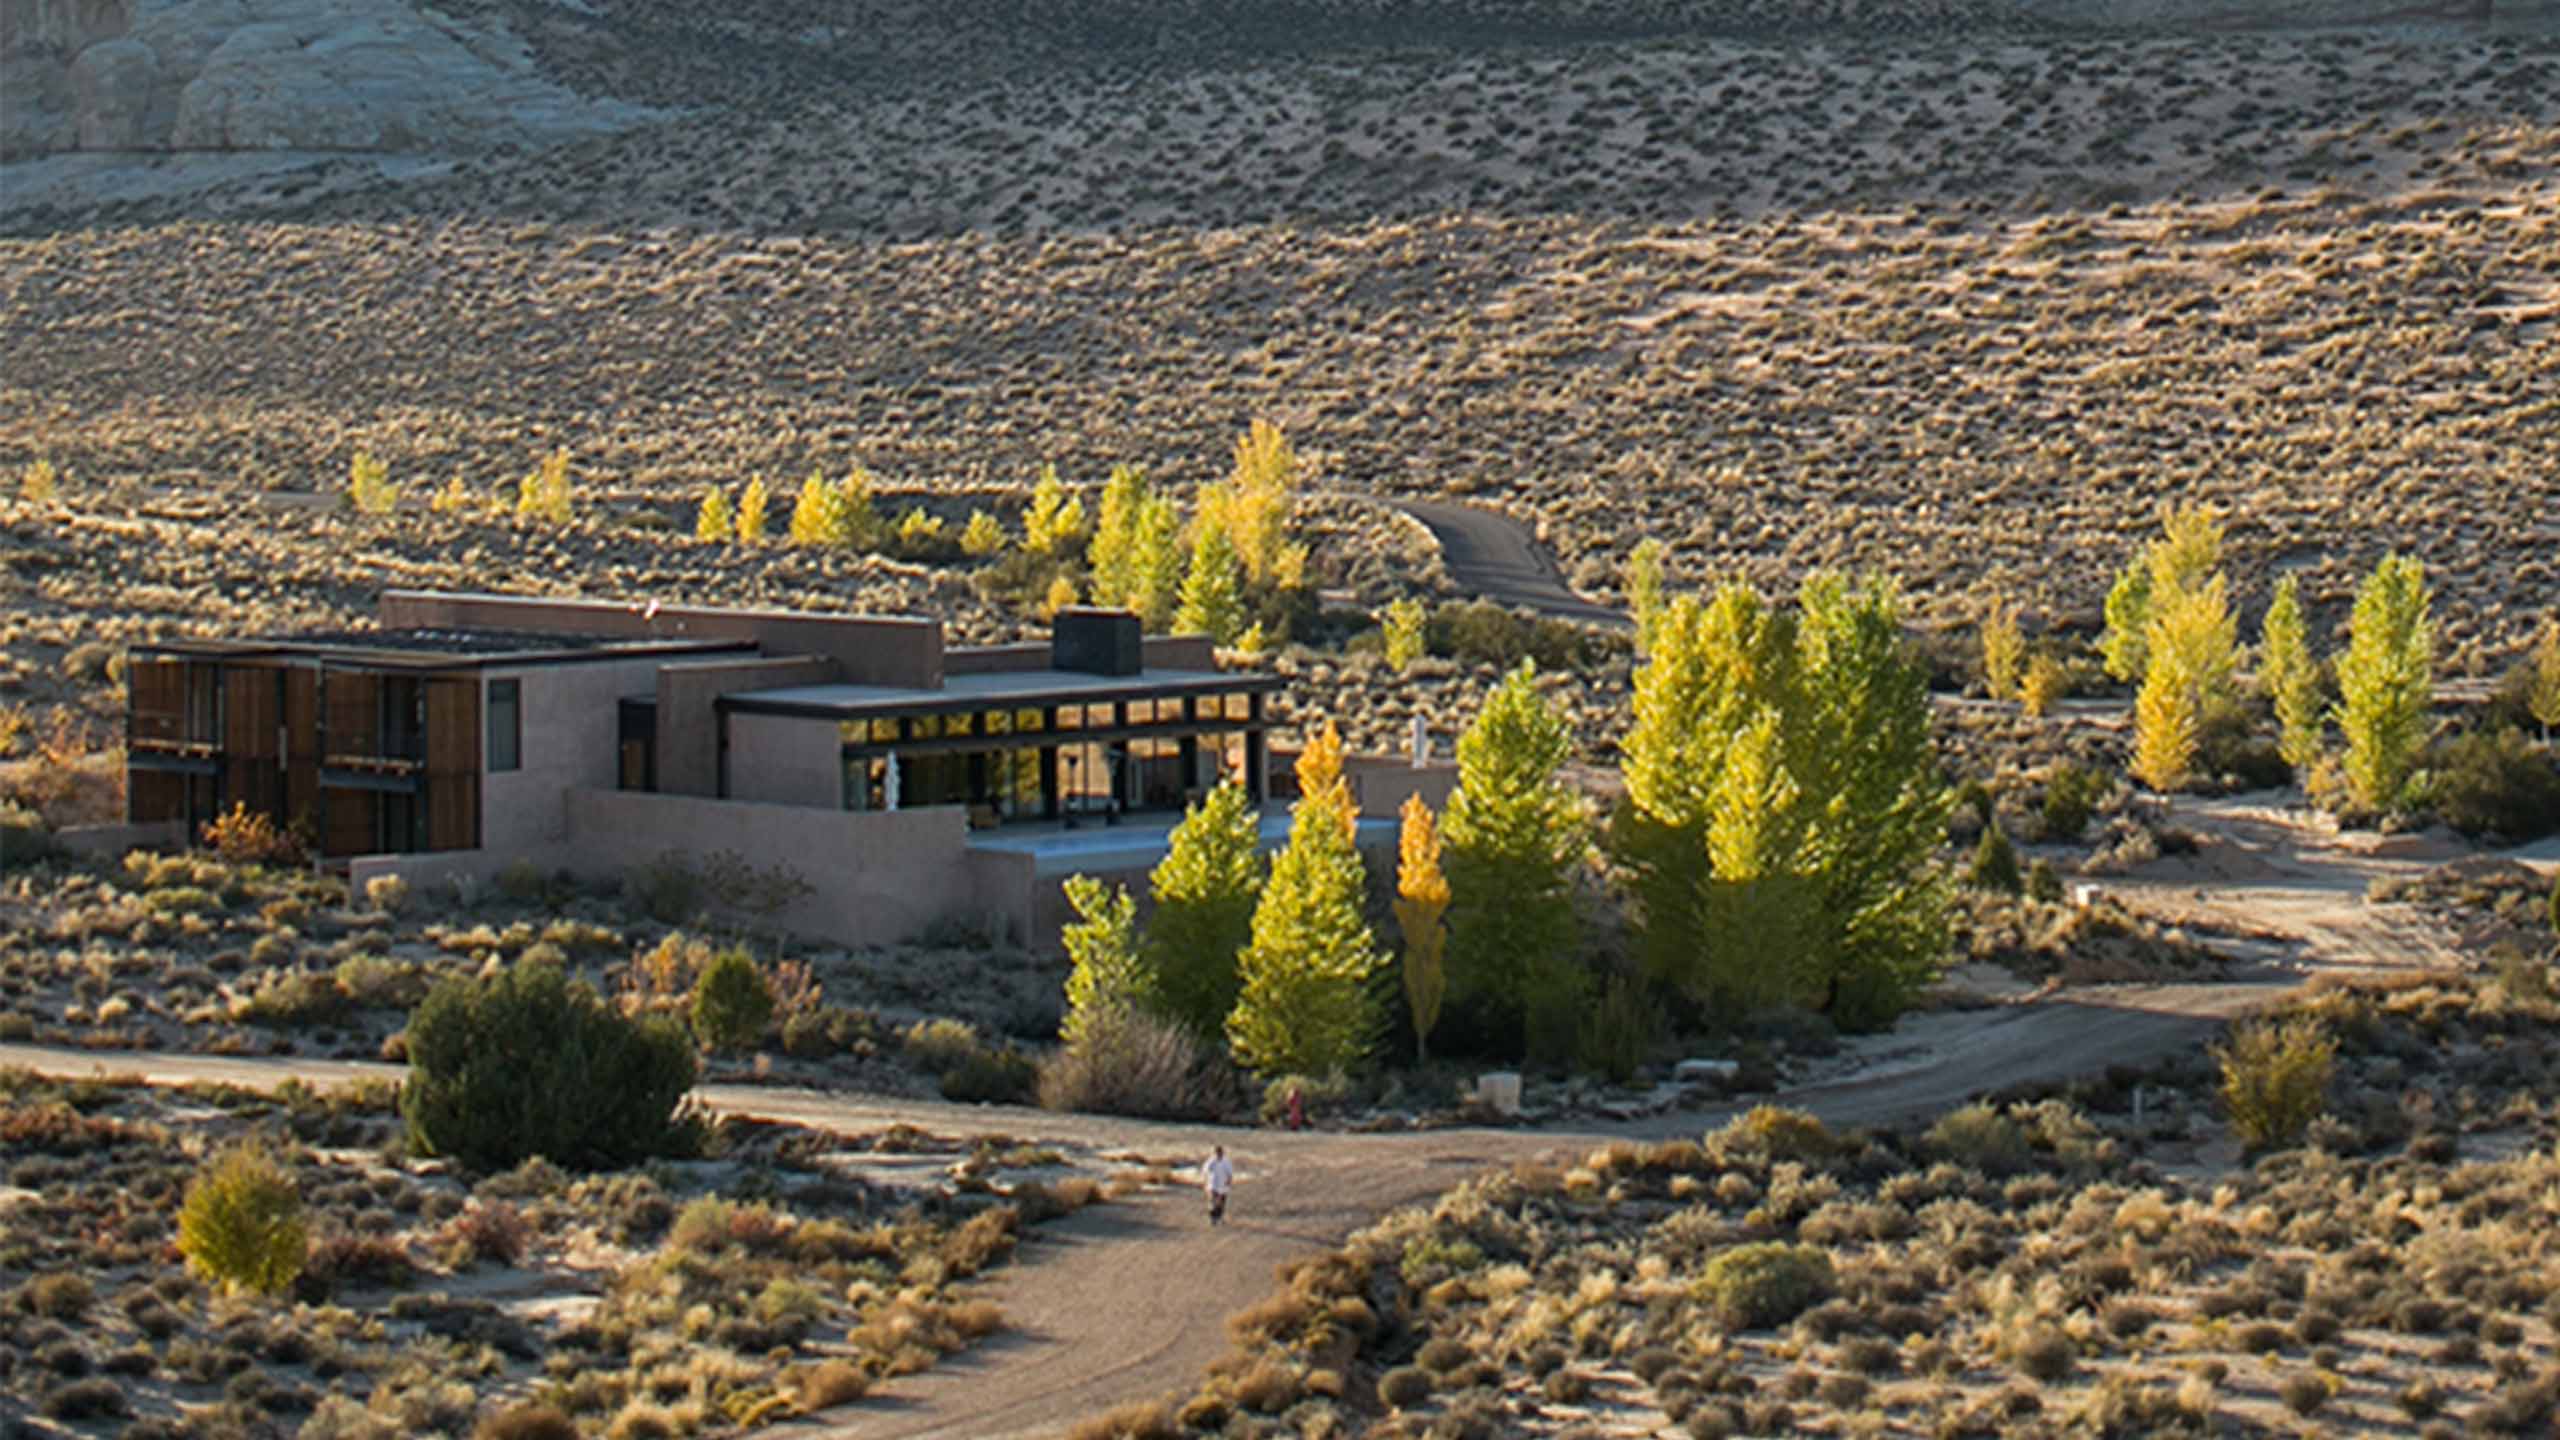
(1980, 297)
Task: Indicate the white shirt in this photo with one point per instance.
(1217, 1174)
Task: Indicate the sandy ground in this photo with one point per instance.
(1128, 1300)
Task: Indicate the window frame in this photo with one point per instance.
(505, 746)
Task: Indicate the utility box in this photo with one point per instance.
(1500, 1090)
(1095, 641)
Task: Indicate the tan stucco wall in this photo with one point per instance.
(572, 735)
(872, 649)
(879, 878)
(1380, 786)
(786, 760)
(688, 724)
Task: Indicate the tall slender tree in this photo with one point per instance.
(1205, 889)
(1110, 975)
(713, 520)
(2386, 683)
(1307, 1004)
(1515, 834)
(1645, 595)
(2289, 676)
(1422, 907)
(2542, 684)
(1213, 593)
(1113, 552)
(1156, 563)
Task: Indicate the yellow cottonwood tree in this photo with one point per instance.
(1305, 1004)
(1422, 902)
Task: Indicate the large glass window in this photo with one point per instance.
(506, 725)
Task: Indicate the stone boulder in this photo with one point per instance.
(381, 76)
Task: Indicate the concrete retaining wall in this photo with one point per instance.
(879, 877)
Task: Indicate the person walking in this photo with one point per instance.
(1217, 1176)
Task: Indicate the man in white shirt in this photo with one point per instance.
(1217, 1176)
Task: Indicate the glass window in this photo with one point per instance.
(955, 725)
(924, 727)
(1101, 717)
(996, 722)
(1029, 720)
(506, 724)
(884, 732)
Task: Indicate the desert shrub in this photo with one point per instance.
(1979, 1137)
(528, 1062)
(1776, 1132)
(1757, 1287)
(245, 837)
(2071, 796)
(527, 1422)
(2304, 1392)
(2042, 1352)
(1481, 632)
(387, 893)
(491, 1230)
(2275, 1079)
(666, 889)
(96, 1399)
(344, 1258)
(1431, 1258)
(2496, 783)
(992, 1075)
(1404, 1387)
(829, 1383)
(1129, 1062)
(1994, 865)
(934, 1046)
(62, 1295)
(732, 1004)
(241, 1222)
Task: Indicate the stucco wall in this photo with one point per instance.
(1380, 786)
(689, 725)
(571, 717)
(879, 877)
(786, 760)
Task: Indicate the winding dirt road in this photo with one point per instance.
(1128, 1299)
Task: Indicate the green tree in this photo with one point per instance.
(1213, 593)
(984, 535)
(712, 521)
(1514, 835)
(1205, 889)
(818, 519)
(1422, 908)
(752, 507)
(1645, 590)
(1257, 505)
(1784, 806)
(1402, 629)
(240, 1224)
(544, 494)
(2003, 649)
(1156, 565)
(1113, 552)
(369, 486)
(2290, 679)
(2186, 680)
(1306, 1004)
(1111, 977)
(732, 1004)
(855, 503)
(1054, 520)
(528, 1062)
(2128, 620)
(2542, 688)
(2386, 683)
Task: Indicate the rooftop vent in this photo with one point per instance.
(1096, 642)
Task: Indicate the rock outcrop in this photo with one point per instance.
(361, 75)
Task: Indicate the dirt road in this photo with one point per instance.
(1129, 1299)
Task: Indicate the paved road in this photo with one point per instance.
(1128, 1299)
(1494, 557)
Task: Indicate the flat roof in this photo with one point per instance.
(437, 647)
(992, 689)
